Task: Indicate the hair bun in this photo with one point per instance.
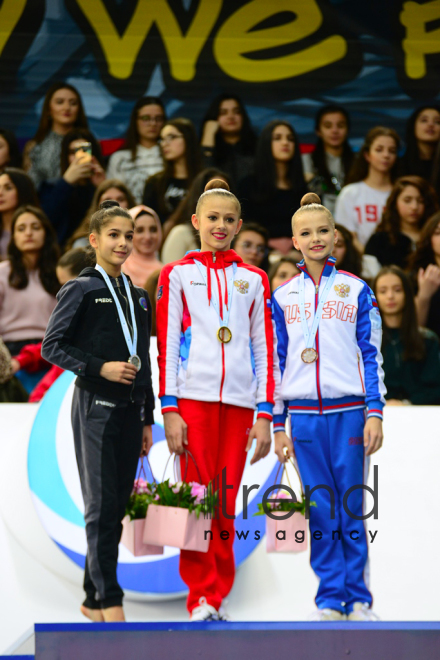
(108, 204)
(215, 184)
(310, 198)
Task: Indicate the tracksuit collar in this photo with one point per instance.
(326, 271)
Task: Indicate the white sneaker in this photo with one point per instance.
(362, 612)
(204, 612)
(222, 613)
(326, 614)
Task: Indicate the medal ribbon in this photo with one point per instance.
(309, 335)
(224, 322)
(131, 343)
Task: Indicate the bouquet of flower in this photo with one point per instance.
(142, 495)
(284, 503)
(187, 495)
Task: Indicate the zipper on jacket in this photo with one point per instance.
(360, 373)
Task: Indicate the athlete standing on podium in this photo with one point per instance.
(215, 344)
(100, 330)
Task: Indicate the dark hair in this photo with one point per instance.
(45, 125)
(273, 270)
(48, 257)
(248, 139)
(412, 161)
(265, 169)
(360, 167)
(72, 136)
(390, 222)
(26, 192)
(192, 159)
(14, 149)
(151, 289)
(132, 136)
(75, 260)
(258, 229)
(107, 210)
(187, 206)
(412, 339)
(319, 157)
(83, 229)
(352, 261)
(424, 254)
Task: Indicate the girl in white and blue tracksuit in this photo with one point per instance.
(329, 391)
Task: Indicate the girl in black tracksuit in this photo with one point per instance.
(113, 401)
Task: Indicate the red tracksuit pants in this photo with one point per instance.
(217, 437)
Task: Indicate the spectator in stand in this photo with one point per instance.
(11, 390)
(252, 245)
(349, 258)
(411, 357)
(28, 283)
(180, 149)
(411, 202)
(326, 168)
(10, 155)
(272, 195)
(182, 237)
(147, 239)
(425, 269)
(66, 200)
(16, 189)
(282, 271)
(422, 155)
(360, 204)
(140, 157)
(151, 289)
(108, 189)
(62, 111)
(228, 139)
(69, 266)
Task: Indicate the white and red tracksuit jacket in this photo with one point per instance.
(193, 363)
(348, 373)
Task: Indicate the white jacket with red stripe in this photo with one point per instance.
(193, 363)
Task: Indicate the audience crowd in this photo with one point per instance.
(385, 200)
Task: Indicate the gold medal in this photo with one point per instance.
(224, 334)
(309, 355)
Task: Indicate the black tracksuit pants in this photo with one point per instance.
(108, 441)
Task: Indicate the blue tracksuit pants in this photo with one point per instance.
(330, 451)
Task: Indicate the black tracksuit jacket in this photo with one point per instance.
(84, 332)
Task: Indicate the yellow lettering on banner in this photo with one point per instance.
(10, 14)
(121, 51)
(419, 42)
(235, 39)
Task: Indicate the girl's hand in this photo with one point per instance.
(119, 372)
(394, 402)
(147, 440)
(209, 131)
(428, 281)
(282, 442)
(175, 432)
(97, 173)
(373, 435)
(260, 431)
(77, 171)
(15, 365)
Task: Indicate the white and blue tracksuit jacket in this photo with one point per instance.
(348, 373)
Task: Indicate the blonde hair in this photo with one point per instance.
(217, 187)
(312, 203)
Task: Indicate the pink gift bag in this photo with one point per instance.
(288, 535)
(176, 527)
(295, 525)
(132, 538)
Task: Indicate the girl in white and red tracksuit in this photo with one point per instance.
(209, 389)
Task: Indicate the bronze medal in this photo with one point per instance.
(309, 355)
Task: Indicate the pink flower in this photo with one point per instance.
(198, 491)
